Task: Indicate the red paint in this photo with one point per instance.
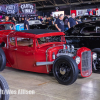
(25, 58)
(4, 33)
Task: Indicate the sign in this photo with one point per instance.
(22, 9)
(10, 9)
(27, 8)
(81, 12)
(0, 8)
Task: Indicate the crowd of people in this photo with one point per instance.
(60, 22)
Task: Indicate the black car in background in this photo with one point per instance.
(86, 35)
(88, 18)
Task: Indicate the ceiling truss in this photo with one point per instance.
(52, 3)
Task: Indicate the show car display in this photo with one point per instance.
(6, 28)
(37, 24)
(34, 24)
(45, 51)
(86, 35)
(88, 18)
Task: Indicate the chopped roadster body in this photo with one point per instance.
(45, 51)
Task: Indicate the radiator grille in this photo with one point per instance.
(86, 63)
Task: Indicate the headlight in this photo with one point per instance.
(77, 59)
(94, 56)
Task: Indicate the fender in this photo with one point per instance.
(97, 50)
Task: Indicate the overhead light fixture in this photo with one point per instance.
(89, 3)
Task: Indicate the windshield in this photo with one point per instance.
(7, 27)
(51, 39)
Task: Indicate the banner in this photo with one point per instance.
(81, 12)
(0, 9)
(10, 9)
(27, 8)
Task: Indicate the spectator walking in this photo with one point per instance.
(72, 21)
(59, 24)
(41, 19)
(66, 22)
(13, 20)
(47, 21)
(50, 21)
(26, 24)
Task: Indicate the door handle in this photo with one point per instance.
(15, 49)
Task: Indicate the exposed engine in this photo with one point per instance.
(70, 51)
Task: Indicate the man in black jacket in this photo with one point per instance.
(26, 24)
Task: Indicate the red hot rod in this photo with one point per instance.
(45, 51)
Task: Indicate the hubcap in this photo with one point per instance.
(62, 71)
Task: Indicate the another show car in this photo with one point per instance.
(37, 24)
(45, 51)
(88, 18)
(5, 29)
(86, 35)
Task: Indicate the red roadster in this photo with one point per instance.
(45, 51)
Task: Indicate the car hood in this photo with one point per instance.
(51, 46)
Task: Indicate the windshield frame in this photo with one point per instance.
(49, 43)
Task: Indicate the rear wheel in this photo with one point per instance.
(65, 70)
(4, 88)
(2, 60)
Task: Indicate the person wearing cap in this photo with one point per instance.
(59, 24)
(26, 24)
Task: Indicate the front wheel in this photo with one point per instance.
(65, 70)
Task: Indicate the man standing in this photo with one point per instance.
(26, 24)
(59, 24)
(13, 20)
(7, 26)
(72, 21)
(65, 22)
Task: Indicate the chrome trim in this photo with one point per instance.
(88, 66)
(67, 54)
(44, 63)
